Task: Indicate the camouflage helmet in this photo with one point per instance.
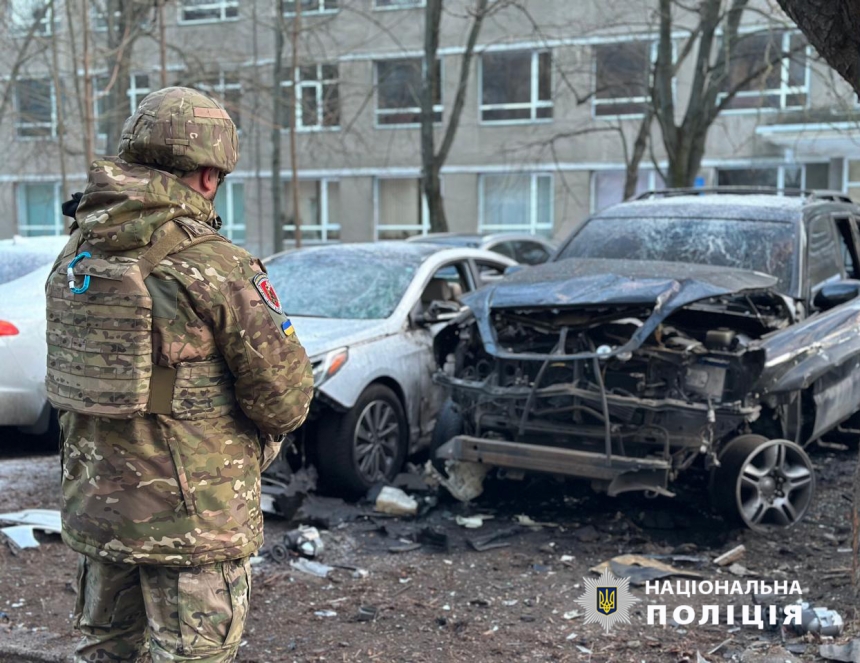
(180, 129)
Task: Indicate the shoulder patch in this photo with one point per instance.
(267, 292)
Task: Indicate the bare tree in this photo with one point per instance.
(431, 159)
(277, 112)
(833, 29)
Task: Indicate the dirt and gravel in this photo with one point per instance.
(514, 603)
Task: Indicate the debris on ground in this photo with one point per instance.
(328, 512)
(731, 556)
(848, 652)
(465, 480)
(525, 520)
(21, 534)
(305, 540)
(822, 621)
(311, 568)
(284, 491)
(472, 522)
(491, 541)
(740, 571)
(367, 613)
(395, 502)
(641, 569)
(20, 537)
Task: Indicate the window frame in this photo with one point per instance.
(533, 227)
(47, 21)
(229, 226)
(420, 4)
(437, 108)
(221, 5)
(58, 226)
(422, 228)
(615, 101)
(319, 84)
(134, 93)
(221, 88)
(320, 11)
(324, 225)
(534, 102)
(784, 90)
(52, 124)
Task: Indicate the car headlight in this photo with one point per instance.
(328, 365)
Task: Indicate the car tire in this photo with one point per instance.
(449, 424)
(351, 459)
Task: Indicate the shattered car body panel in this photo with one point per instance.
(629, 371)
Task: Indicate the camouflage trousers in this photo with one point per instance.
(161, 613)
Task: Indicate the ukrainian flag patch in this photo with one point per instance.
(287, 328)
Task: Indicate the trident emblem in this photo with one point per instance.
(606, 600)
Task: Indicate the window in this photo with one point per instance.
(24, 13)
(138, 88)
(852, 180)
(100, 18)
(622, 74)
(400, 209)
(821, 252)
(398, 93)
(312, 6)
(516, 86)
(39, 210)
(530, 253)
(226, 87)
(199, 11)
(608, 186)
(769, 70)
(230, 206)
(806, 176)
(35, 108)
(397, 4)
(319, 98)
(519, 202)
(319, 207)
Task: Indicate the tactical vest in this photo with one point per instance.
(100, 359)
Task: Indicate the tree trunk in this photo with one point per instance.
(631, 174)
(430, 164)
(89, 129)
(162, 43)
(278, 73)
(58, 101)
(294, 100)
(833, 29)
(255, 114)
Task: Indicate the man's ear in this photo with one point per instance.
(209, 181)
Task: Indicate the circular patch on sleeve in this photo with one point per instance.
(267, 292)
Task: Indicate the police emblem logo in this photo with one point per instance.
(267, 292)
(607, 600)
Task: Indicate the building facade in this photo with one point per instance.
(556, 93)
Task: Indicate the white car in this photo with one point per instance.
(367, 315)
(25, 263)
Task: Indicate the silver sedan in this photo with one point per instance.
(367, 315)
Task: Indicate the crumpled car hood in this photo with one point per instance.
(667, 286)
(320, 335)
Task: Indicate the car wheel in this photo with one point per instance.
(366, 445)
(764, 483)
(449, 424)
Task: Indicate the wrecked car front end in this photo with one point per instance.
(621, 372)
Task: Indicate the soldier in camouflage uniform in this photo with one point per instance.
(161, 477)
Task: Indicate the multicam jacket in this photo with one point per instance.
(182, 489)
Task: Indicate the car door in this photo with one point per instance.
(451, 281)
(833, 337)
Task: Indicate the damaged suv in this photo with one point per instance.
(718, 328)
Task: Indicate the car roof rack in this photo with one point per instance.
(814, 194)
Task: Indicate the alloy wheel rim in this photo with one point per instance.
(775, 485)
(376, 441)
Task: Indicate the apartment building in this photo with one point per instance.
(556, 93)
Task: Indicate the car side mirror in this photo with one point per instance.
(438, 311)
(512, 269)
(835, 294)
